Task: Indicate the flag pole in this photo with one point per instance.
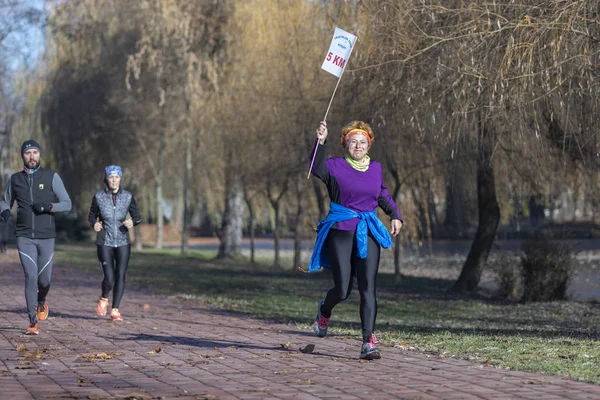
(312, 161)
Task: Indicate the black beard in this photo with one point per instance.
(35, 166)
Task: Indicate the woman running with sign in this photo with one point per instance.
(350, 238)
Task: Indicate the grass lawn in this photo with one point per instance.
(416, 313)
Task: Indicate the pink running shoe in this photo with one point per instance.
(321, 323)
(369, 351)
(116, 315)
(102, 306)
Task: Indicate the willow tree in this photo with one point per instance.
(493, 68)
(168, 76)
(17, 19)
(273, 106)
(83, 120)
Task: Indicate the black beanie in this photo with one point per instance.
(30, 144)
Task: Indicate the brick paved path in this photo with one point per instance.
(169, 348)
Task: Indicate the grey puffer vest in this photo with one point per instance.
(113, 233)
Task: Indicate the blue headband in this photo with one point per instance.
(112, 169)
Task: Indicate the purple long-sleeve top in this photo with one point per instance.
(357, 190)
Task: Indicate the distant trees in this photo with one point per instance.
(211, 107)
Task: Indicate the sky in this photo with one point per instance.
(23, 48)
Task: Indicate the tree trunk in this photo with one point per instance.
(434, 220)
(137, 230)
(489, 215)
(397, 258)
(137, 243)
(231, 229)
(159, 197)
(398, 245)
(276, 244)
(252, 226)
(319, 196)
(421, 204)
(455, 223)
(298, 228)
(187, 177)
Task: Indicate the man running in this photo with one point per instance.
(36, 191)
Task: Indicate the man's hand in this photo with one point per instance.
(4, 215)
(396, 226)
(40, 208)
(98, 226)
(128, 223)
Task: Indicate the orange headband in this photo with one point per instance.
(356, 132)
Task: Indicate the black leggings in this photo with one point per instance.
(344, 259)
(114, 261)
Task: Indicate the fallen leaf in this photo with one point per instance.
(25, 365)
(36, 355)
(257, 389)
(205, 396)
(146, 306)
(308, 349)
(210, 355)
(288, 345)
(304, 382)
(136, 396)
(21, 347)
(102, 356)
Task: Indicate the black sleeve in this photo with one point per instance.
(134, 212)
(388, 208)
(319, 168)
(94, 212)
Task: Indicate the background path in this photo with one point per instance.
(172, 348)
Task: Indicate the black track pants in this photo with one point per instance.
(114, 262)
(344, 259)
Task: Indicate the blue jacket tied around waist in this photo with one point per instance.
(368, 222)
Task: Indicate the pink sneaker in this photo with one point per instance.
(116, 315)
(102, 306)
(321, 322)
(369, 351)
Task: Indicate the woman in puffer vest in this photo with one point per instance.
(109, 219)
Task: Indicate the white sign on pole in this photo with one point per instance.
(339, 52)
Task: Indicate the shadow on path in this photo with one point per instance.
(218, 344)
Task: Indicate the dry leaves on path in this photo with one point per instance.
(211, 355)
(100, 356)
(37, 354)
(308, 349)
(137, 396)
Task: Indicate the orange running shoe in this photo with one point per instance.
(32, 329)
(42, 312)
(102, 306)
(116, 315)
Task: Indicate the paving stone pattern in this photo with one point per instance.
(172, 348)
